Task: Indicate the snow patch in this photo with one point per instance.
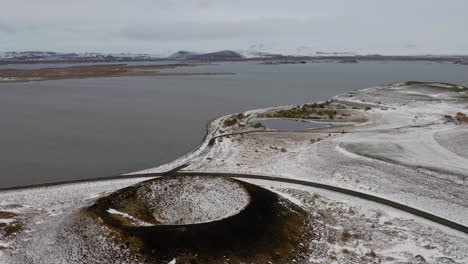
(191, 200)
(133, 219)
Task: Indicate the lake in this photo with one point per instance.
(86, 128)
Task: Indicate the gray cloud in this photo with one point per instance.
(6, 29)
(161, 26)
(221, 30)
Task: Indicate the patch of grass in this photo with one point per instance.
(413, 83)
(429, 247)
(240, 116)
(7, 215)
(447, 86)
(346, 236)
(331, 240)
(11, 228)
(230, 121)
(234, 119)
(306, 111)
(257, 125)
(294, 112)
(331, 114)
(13, 206)
(371, 254)
(345, 250)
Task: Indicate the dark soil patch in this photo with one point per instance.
(270, 229)
(11, 228)
(7, 215)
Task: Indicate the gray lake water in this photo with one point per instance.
(87, 128)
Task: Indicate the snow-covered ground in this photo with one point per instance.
(407, 151)
(7, 79)
(346, 229)
(197, 200)
(46, 215)
(395, 154)
(351, 230)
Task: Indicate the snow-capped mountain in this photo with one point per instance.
(218, 55)
(182, 55)
(264, 51)
(57, 56)
(258, 54)
(261, 51)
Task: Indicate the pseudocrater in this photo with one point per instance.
(206, 219)
(199, 200)
(179, 201)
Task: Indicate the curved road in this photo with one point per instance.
(177, 171)
(376, 199)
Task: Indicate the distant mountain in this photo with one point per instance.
(219, 55)
(260, 50)
(183, 55)
(322, 53)
(38, 56)
(258, 54)
(264, 51)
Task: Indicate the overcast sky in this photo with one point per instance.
(288, 26)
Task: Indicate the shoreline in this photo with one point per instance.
(436, 58)
(216, 131)
(323, 170)
(375, 125)
(94, 71)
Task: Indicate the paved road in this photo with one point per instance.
(376, 199)
(179, 172)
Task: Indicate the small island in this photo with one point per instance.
(93, 71)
